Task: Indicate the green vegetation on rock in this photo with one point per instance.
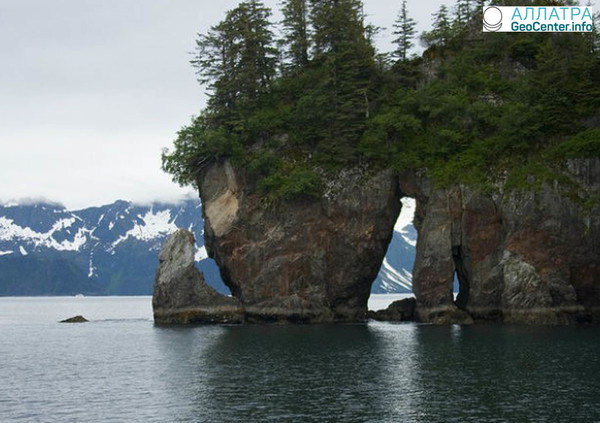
(474, 106)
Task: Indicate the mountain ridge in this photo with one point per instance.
(47, 249)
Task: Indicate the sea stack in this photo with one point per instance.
(181, 295)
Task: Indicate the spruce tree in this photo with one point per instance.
(463, 12)
(479, 5)
(336, 23)
(404, 32)
(236, 58)
(296, 34)
(441, 31)
(347, 58)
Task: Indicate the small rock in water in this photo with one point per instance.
(75, 319)
(398, 311)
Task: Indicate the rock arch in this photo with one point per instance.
(311, 260)
(528, 256)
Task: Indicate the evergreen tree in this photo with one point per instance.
(342, 49)
(337, 24)
(463, 12)
(236, 58)
(405, 32)
(441, 31)
(322, 117)
(479, 5)
(295, 25)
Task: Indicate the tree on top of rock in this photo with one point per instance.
(404, 32)
(441, 31)
(343, 51)
(236, 58)
(463, 12)
(296, 33)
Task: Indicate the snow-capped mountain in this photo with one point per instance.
(46, 249)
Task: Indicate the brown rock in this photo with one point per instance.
(311, 260)
(180, 294)
(526, 256)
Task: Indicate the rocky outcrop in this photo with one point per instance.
(398, 311)
(528, 255)
(180, 294)
(312, 260)
(75, 319)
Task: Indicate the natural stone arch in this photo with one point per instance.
(308, 260)
(528, 256)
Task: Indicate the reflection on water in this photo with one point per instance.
(126, 369)
(504, 373)
(384, 372)
(301, 373)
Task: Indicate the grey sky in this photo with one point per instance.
(92, 90)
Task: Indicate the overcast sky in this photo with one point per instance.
(92, 90)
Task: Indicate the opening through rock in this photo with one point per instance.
(395, 274)
(208, 267)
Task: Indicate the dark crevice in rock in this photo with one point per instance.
(462, 299)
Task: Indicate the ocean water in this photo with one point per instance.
(119, 367)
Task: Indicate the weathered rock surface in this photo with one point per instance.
(180, 294)
(525, 256)
(521, 256)
(309, 261)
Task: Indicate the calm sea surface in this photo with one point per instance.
(121, 368)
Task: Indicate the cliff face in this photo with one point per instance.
(524, 256)
(311, 260)
(521, 256)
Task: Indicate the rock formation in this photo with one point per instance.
(180, 293)
(521, 256)
(528, 255)
(398, 311)
(312, 260)
(75, 319)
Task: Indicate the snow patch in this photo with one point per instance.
(407, 215)
(9, 231)
(403, 278)
(154, 225)
(92, 269)
(62, 224)
(409, 241)
(201, 254)
(5, 253)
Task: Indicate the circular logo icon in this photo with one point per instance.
(492, 19)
